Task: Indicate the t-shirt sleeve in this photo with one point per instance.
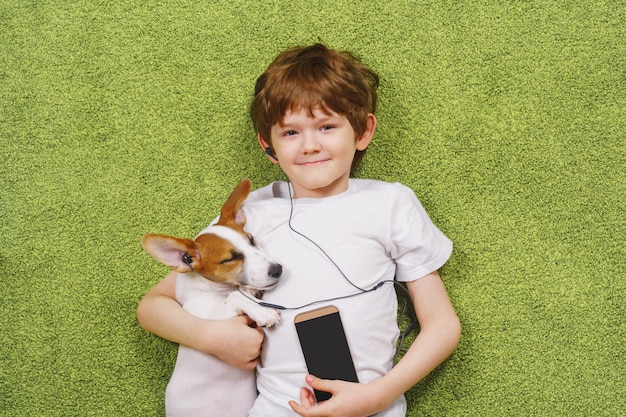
(417, 246)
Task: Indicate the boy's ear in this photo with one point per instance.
(366, 137)
(265, 146)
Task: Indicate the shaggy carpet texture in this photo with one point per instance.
(507, 118)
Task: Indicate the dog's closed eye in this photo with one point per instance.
(234, 256)
(252, 241)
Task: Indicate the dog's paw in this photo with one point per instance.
(265, 317)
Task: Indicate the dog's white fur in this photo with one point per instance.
(202, 385)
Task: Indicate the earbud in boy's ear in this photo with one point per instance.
(270, 153)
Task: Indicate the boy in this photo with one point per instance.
(313, 110)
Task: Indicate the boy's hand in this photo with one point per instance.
(349, 399)
(240, 341)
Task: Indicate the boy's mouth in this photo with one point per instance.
(313, 163)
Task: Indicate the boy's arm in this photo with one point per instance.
(439, 335)
(440, 331)
(232, 340)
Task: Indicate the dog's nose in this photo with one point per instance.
(275, 270)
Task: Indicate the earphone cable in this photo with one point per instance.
(320, 248)
(412, 319)
(341, 297)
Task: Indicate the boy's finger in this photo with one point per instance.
(307, 399)
(320, 384)
(249, 322)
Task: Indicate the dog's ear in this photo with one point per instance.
(232, 215)
(169, 250)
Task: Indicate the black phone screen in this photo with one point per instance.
(326, 349)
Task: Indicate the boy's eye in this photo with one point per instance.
(328, 127)
(290, 133)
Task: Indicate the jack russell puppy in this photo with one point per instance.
(212, 271)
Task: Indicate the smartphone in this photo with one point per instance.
(325, 347)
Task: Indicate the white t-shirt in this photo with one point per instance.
(374, 231)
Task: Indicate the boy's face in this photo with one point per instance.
(316, 152)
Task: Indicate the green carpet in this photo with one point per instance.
(507, 118)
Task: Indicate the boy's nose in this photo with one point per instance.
(310, 143)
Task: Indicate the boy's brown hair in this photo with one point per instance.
(310, 78)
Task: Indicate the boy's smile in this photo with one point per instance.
(316, 152)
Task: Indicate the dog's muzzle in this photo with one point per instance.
(275, 270)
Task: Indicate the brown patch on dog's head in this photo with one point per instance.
(210, 255)
(218, 258)
(231, 215)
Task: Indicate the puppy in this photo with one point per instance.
(211, 270)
